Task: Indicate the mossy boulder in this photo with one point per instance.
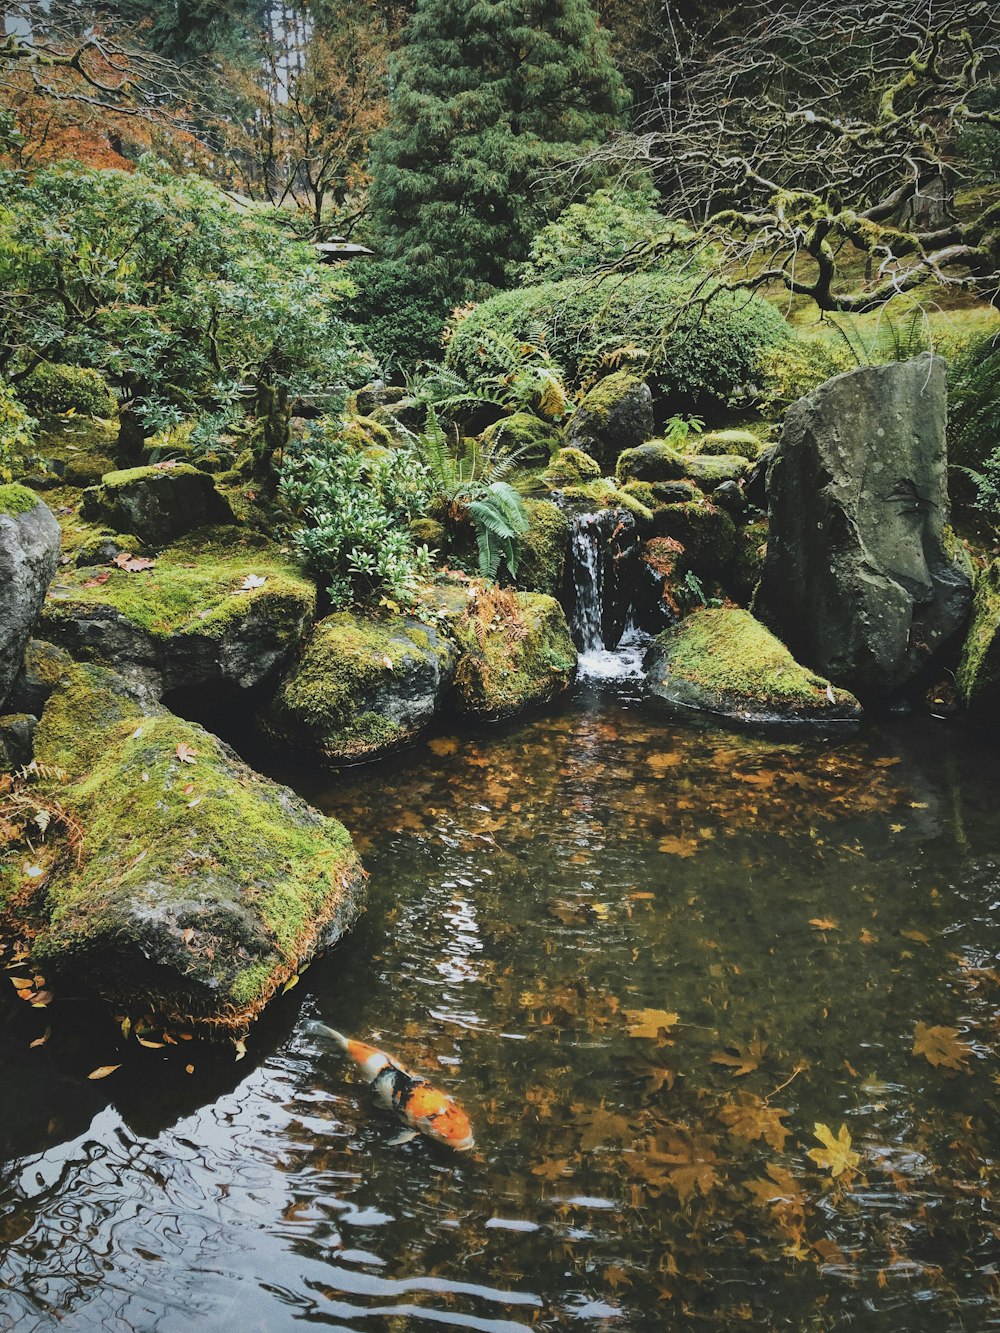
(516, 652)
(42, 669)
(748, 563)
(707, 533)
(662, 593)
(429, 532)
(364, 687)
(616, 415)
(569, 467)
(534, 438)
(200, 888)
(541, 566)
(216, 607)
(725, 664)
(29, 552)
(711, 470)
(157, 504)
(741, 443)
(16, 733)
(978, 674)
(655, 461)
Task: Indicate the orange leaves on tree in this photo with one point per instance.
(836, 1155)
(942, 1046)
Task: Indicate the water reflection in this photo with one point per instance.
(651, 963)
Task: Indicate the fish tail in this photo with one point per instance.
(322, 1030)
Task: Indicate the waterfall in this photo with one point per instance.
(602, 576)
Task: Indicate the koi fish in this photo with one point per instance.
(421, 1107)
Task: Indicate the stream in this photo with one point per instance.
(659, 966)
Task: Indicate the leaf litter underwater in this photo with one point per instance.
(725, 1015)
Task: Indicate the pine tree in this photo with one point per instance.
(488, 95)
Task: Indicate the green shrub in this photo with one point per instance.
(16, 432)
(974, 415)
(396, 315)
(795, 368)
(698, 361)
(55, 388)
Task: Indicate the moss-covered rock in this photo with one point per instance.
(616, 414)
(742, 443)
(16, 733)
(200, 889)
(534, 438)
(516, 651)
(29, 552)
(724, 663)
(41, 671)
(662, 593)
(157, 504)
(429, 532)
(541, 566)
(216, 607)
(655, 461)
(707, 534)
(569, 467)
(748, 563)
(712, 470)
(364, 687)
(978, 674)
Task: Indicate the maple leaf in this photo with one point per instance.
(698, 1176)
(743, 1059)
(650, 1022)
(601, 1127)
(250, 582)
(443, 745)
(678, 846)
(659, 763)
(836, 1156)
(165, 464)
(824, 923)
(751, 1118)
(554, 1169)
(185, 753)
(942, 1046)
(132, 564)
(779, 1187)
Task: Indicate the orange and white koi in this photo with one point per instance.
(421, 1106)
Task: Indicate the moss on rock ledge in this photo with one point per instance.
(978, 675)
(201, 888)
(724, 663)
(542, 562)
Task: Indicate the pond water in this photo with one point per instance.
(724, 1014)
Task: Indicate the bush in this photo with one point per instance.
(974, 415)
(795, 368)
(396, 315)
(16, 432)
(57, 388)
(357, 504)
(696, 361)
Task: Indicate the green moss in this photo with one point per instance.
(605, 396)
(253, 879)
(524, 431)
(568, 467)
(62, 388)
(713, 470)
(743, 443)
(978, 674)
(748, 565)
(193, 587)
(16, 500)
(707, 534)
(429, 531)
(542, 562)
(125, 476)
(516, 652)
(655, 461)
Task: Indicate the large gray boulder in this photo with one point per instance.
(156, 503)
(30, 541)
(616, 414)
(863, 579)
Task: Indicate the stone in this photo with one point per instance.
(617, 414)
(707, 533)
(661, 595)
(216, 608)
(748, 564)
(714, 469)
(525, 434)
(656, 461)
(568, 467)
(723, 663)
(17, 731)
(729, 496)
(743, 443)
(200, 888)
(755, 482)
(43, 668)
(156, 504)
(864, 580)
(30, 542)
(978, 674)
(516, 652)
(541, 565)
(364, 687)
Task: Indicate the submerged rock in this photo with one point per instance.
(156, 504)
(978, 674)
(199, 887)
(863, 579)
(616, 414)
(364, 687)
(516, 651)
(29, 553)
(218, 607)
(724, 663)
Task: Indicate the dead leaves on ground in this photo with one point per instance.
(742, 1059)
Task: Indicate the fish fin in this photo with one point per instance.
(407, 1136)
(321, 1030)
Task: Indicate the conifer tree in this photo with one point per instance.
(488, 95)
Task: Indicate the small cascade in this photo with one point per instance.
(602, 576)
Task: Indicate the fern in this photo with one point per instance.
(500, 520)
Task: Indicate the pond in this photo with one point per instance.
(725, 1014)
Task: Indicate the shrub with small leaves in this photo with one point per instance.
(16, 432)
(56, 388)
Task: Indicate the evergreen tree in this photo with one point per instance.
(488, 94)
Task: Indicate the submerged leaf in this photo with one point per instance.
(103, 1071)
(743, 1059)
(836, 1156)
(649, 1022)
(942, 1046)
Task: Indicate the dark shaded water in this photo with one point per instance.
(651, 962)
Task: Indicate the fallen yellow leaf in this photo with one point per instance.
(104, 1071)
(942, 1046)
(649, 1022)
(837, 1156)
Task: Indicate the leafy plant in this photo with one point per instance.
(974, 417)
(518, 374)
(17, 430)
(678, 429)
(59, 388)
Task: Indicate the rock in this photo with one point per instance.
(541, 566)
(516, 651)
(201, 888)
(429, 532)
(743, 443)
(724, 663)
(729, 496)
(532, 438)
(755, 483)
(707, 534)
(672, 492)
(30, 542)
(748, 564)
(863, 579)
(567, 467)
(156, 504)
(655, 461)
(616, 414)
(363, 687)
(43, 668)
(978, 674)
(661, 595)
(714, 469)
(216, 608)
(101, 549)
(16, 733)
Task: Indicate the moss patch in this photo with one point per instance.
(570, 467)
(978, 674)
(542, 563)
(16, 500)
(707, 534)
(196, 904)
(741, 443)
(524, 431)
(655, 461)
(724, 661)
